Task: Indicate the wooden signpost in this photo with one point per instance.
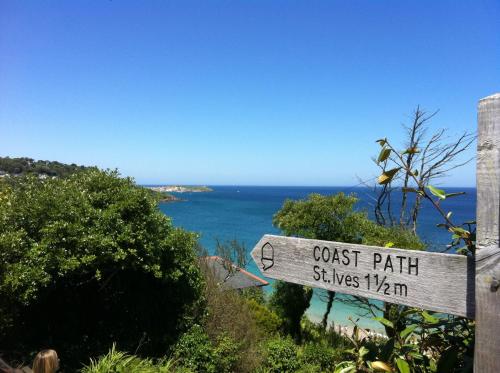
(445, 283)
(433, 281)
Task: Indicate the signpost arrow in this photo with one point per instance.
(434, 281)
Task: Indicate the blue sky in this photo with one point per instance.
(239, 92)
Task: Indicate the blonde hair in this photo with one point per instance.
(46, 361)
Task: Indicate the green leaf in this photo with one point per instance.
(449, 195)
(460, 232)
(387, 176)
(413, 150)
(389, 244)
(416, 355)
(363, 351)
(403, 366)
(448, 215)
(384, 154)
(382, 142)
(410, 311)
(345, 367)
(384, 321)
(448, 360)
(429, 318)
(437, 192)
(408, 330)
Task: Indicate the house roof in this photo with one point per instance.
(230, 275)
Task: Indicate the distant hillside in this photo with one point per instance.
(23, 166)
(26, 166)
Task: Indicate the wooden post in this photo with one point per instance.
(487, 292)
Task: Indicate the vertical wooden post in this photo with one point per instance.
(487, 290)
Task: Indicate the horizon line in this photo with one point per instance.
(282, 185)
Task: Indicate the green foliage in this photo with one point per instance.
(119, 362)
(309, 368)
(433, 343)
(420, 341)
(281, 356)
(89, 260)
(290, 301)
(378, 235)
(322, 217)
(162, 196)
(322, 355)
(227, 352)
(314, 333)
(267, 320)
(195, 351)
(228, 314)
(254, 293)
(23, 166)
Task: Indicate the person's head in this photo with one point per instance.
(46, 361)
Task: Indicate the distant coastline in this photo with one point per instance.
(180, 189)
(163, 192)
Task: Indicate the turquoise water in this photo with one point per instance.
(245, 213)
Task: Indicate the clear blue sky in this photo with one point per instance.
(239, 92)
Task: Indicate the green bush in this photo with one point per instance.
(378, 235)
(229, 315)
(266, 320)
(119, 362)
(320, 354)
(310, 368)
(226, 354)
(281, 356)
(89, 260)
(195, 351)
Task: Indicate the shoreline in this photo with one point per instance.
(179, 189)
(348, 330)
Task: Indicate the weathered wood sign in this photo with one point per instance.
(434, 281)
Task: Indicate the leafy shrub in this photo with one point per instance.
(378, 235)
(281, 355)
(267, 321)
(89, 260)
(310, 368)
(227, 354)
(229, 315)
(119, 362)
(21, 166)
(254, 293)
(196, 352)
(320, 354)
(321, 217)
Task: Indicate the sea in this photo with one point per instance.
(245, 213)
